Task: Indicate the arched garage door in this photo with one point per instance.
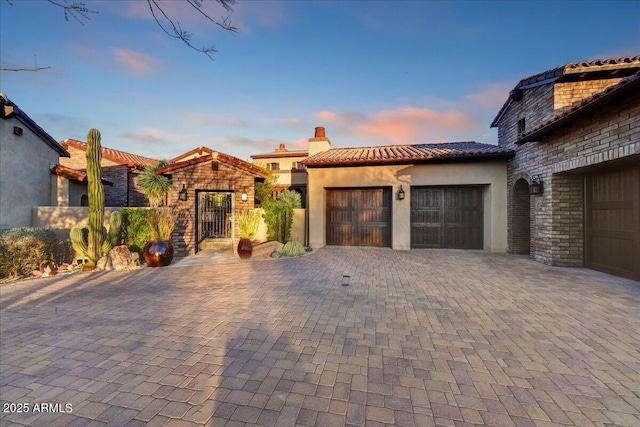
(446, 217)
(359, 217)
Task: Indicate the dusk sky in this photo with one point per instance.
(370, 72)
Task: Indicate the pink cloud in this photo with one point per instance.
(404, 125)
(134, 62)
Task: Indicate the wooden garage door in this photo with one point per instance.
(359, 217)
(446, 217)
(612, 222)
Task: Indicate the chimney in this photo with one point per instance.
(319, 142)
(281, 148)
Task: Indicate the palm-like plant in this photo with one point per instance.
(156, 186)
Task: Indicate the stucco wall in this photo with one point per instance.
(25, 174)
(491, 175)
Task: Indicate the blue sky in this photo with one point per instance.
(370, 72)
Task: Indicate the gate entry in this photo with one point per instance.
(215, 220)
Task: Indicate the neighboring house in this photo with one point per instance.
(287, 166)
(71, 186)
(575, 130)
(209, 190)
(119, 167)
(450, 195)
(27, 154)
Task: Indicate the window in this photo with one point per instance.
(274, 166)
(521, 126)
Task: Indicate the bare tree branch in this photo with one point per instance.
(79, 11)
(24, 69)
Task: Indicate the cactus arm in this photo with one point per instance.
(78, 242)
(113, 236)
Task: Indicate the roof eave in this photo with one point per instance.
(392, 162)
(602, 99)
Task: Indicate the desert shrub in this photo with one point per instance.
(293, 249)
(135, 228)
(25, 249)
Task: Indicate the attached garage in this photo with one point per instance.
(449, 195)
(447, 217)
(359, 217)
(612, 221)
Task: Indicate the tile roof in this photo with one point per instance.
(122, 157)
(281, 152)
(74, 174)
(215, 155)
(196, 152)
(9, 110)
(407, 154)
(625, 86)
(613, 67)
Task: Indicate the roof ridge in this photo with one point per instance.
(119, 156)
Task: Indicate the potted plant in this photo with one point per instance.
(158, 252)
(248, 223)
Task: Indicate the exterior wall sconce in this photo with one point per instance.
(401, 193)
(182, 195)
(244, 196)
(536, 187)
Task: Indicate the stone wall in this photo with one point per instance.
(203, 177)
(561, 161)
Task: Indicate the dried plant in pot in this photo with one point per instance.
(158, 252)
(248, 223)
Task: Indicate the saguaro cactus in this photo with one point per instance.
(96, 195)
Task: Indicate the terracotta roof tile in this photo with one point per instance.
(122, 157)
(586, 105)
(620, 67)
(281, 152)
(214, 155)
(403, 154)
(74, 174)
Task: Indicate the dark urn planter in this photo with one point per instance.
(244, 248)
(158, 253)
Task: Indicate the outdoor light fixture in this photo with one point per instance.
(536, 187)
(244, 196)
(182, 196)
(400, 193)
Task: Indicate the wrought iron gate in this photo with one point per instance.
(215, 215)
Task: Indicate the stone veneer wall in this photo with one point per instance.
(202, 177)
(557, 234)
(117, 173)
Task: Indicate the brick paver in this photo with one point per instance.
(422, 337)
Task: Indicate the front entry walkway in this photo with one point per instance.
(344, 336)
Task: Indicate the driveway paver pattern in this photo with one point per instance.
(344, 336)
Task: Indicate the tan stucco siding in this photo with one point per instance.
(491, 175)
(25, 174)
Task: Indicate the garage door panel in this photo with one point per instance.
(359, 217)
(612, 229)
(446, 217)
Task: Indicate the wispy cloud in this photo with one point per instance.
(428, 120)
(207, 119)
(403, 125)
(135, 62)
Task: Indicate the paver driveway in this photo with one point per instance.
(451, 338)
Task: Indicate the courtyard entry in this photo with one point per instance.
(359, 217)
(215, 220)
(447, 217)
(612, 221)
